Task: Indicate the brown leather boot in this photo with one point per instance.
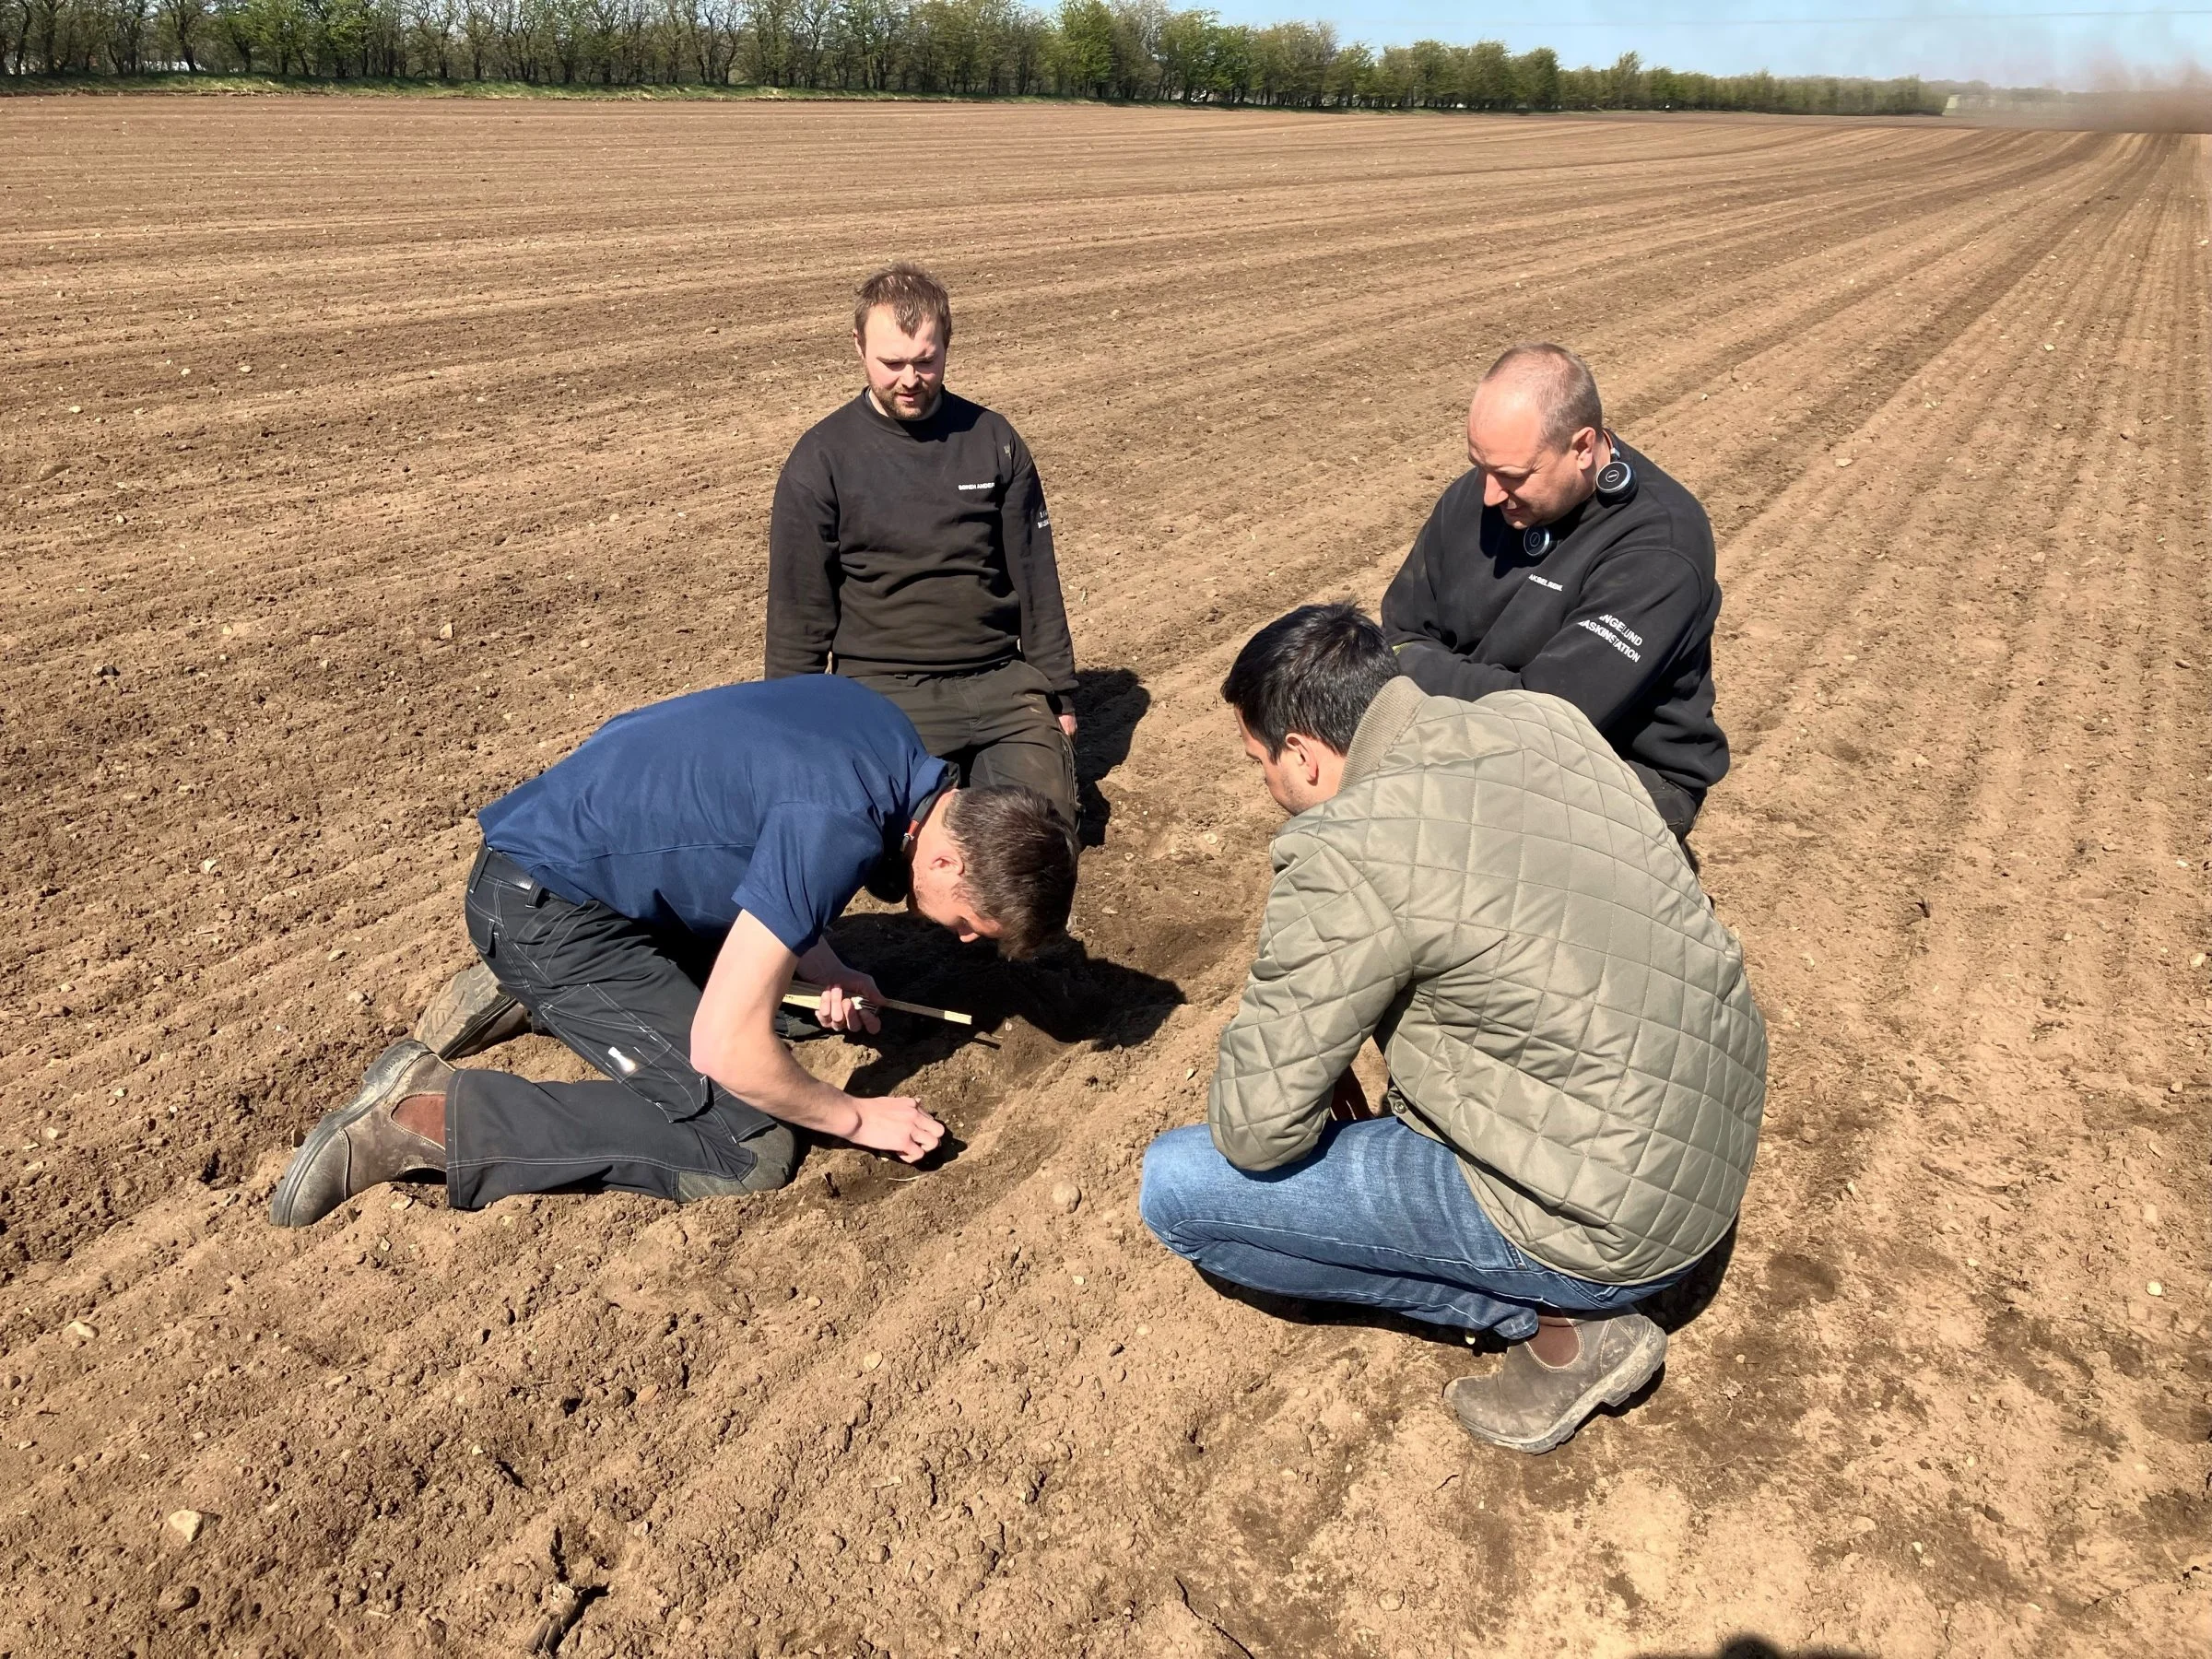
(1527, 1406)
(360, 1143)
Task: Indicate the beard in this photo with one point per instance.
(923, 405)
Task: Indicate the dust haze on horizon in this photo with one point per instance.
(1991, 42)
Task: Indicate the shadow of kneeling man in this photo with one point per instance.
(1758, 1647)
(1065, 995)
(1110, 701)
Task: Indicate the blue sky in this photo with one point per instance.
(1954, 40)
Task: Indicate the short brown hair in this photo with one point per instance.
(1564, 387)
(915, 296)
(1020, 855)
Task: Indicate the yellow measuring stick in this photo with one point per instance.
(803, 995)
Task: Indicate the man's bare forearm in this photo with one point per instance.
(762, 1074)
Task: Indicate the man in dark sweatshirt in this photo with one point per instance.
(1567, 562)
(910, 549)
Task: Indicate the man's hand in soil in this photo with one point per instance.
(733, 1042)
(1067, 723)
(897, 1124)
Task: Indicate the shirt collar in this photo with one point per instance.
(1381, 727)
(923, 808)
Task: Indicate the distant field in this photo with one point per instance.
(357, 458)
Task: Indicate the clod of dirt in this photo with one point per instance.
(177, 1598)
(186, 1524)
(80, 1330)
(1067, 1195)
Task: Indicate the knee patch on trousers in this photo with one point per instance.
(775, 1159)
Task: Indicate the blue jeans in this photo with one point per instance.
(1376, 1215)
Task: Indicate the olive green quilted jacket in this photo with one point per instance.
(1492, 896)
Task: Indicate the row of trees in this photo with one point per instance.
(1136, 50)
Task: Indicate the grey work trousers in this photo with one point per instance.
(623, 998)
(995, 727)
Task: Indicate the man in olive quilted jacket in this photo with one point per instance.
(1576, 1066)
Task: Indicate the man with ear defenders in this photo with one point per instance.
(1566, 562)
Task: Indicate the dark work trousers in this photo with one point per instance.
(623, 998)
(1677, 807)
(996, 726)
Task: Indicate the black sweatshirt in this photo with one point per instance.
(1616, 618)
(914, 547)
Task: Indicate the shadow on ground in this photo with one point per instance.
(1109, 702)
(1066, 994)
(1758, 1647)
(1683, 1302)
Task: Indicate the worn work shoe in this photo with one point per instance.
(470, 1015)
(1527, 1406)
(360, 1144)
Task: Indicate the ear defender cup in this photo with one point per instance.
(1535, 541)
(1616, 481)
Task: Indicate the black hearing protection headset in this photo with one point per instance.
(1616, 478)
(1616, 484)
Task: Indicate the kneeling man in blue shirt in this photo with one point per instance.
(648, 901)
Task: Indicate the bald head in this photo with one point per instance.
(1553, 383)
(1537, 432)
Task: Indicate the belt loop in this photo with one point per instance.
(509, 874)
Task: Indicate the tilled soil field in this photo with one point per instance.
(359, 457)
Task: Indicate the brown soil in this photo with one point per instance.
(521, 378)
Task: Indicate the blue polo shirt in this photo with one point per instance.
(775, 798)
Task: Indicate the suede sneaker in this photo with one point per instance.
(360, 1145)
(471, 1014)
(1527, 1406)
